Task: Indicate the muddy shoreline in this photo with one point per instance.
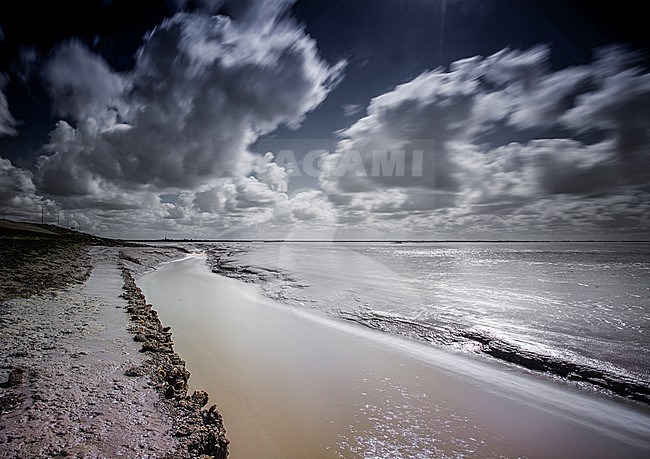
(86, 375)
(200, 432)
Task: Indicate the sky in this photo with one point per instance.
(346, 119)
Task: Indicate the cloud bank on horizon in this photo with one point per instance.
(519, 148)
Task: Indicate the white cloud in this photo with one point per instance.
(179, 125)
(253, 200)
(268, 172)
(540, 167)
(246, 194)
(238, 203)
(509, 145)
(467, 181)
(351, 109)
(307, 206)
(203, 89)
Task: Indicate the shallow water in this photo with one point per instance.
(295, 384)
(583, 304)
(105, 281)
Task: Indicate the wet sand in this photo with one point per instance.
(73, 399)
(292, 384)
(87, 370)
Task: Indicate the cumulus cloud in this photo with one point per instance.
(424, 115)
(465, 175)
(253, 197)
(539, 167)
(202, 89)
(495, 145)
(224, 207)
(246, 194)
(18, 195)
(14, 183)
(236, 203)
(308, 206)
(163, 147)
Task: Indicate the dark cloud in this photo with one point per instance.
(18, 196)
(15, 183)
(521, 172)
(81, 83)
(619, 106)
(7, 121)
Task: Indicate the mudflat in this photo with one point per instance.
(76, 379)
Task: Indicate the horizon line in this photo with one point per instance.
(398, 241)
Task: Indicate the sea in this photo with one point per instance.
(575, 311)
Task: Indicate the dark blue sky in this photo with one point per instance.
(390, 42)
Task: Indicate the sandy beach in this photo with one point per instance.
(77, 379)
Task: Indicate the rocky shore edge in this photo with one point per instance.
(200, 432)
